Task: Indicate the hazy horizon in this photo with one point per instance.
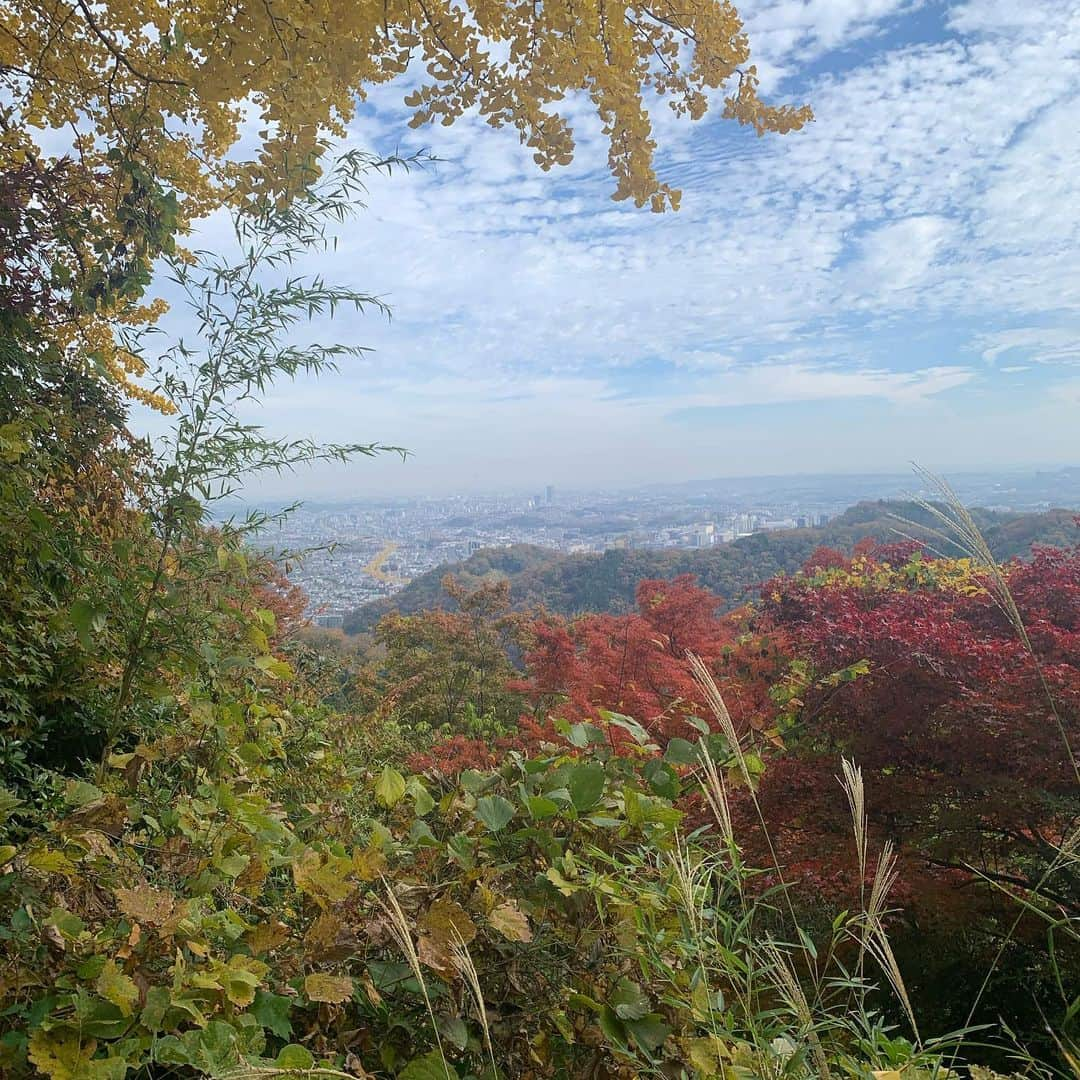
(892, 481)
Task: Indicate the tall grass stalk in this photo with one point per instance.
(719, 709)
(463, 961)
(958, 528)
(402, 934)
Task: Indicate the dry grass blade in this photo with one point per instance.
(875, 939)
(399, 928)
(884, 880)
(877, 944)
(789, 988)
(852, 783)
(719, 709)
(463, 961)
(688, 879)
(715, 791)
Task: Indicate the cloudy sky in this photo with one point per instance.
(900, 280)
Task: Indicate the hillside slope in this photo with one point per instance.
(569, 584)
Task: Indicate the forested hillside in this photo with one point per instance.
(568, 584)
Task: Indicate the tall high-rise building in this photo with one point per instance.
(550, 493)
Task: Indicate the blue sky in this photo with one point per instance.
(899, 281)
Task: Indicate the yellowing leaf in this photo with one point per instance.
(240, 978)
(333, 989)
(445, 924)
(322, 878)
(145, 904)
(368, 863)
(323, 932)
(113, 985)
(50, 862)
(565, 887)
(267, 936)
(390, 787)
(61, 1055)
(508, 920)
(705, 1054)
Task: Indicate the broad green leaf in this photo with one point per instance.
(681, 752)
(88, 620)
(80, 793)
(157, 1004)
(628, 724)
(649, 1032)
(473, 781)
(613, 1028)
(582, 735)
(540, 808)
(628, 1001)
(494, 811)
(272, 1012)
(586, 784)
(422, 800)
(232, 865)
(212, 1050)
(294, 1056)
(432, 1066)
(662, 779)
(97, 1019)
(275, 668)
(455, 1031)
(71, 926)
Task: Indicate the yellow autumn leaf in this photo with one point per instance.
(507, 919)
(62, 1055)
(113, 985)
(332, 989)
(145, 904)
(49, 861)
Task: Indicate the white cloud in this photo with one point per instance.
(936, 198)
(900, 254)
(1039, 344)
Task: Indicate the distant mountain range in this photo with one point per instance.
(605, 581)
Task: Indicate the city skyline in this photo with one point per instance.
(361, 550)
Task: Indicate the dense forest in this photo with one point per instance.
(570, 584)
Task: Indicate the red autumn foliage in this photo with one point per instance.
(636, 663)
(964, 750)
(287, 601)
(962, 747)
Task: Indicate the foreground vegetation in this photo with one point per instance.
(237, 879)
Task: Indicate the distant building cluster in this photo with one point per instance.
(335, 550)
(352, 551)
